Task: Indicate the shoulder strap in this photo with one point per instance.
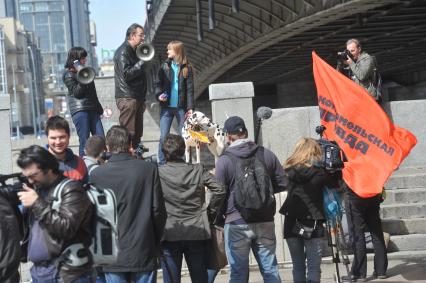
(260, 155)
(57, 193)
(91, 167)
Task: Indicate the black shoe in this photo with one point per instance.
(354, 278)
(379, 276)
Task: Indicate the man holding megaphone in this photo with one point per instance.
(82, 98)
(130, 82)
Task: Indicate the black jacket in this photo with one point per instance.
(9, 242)
(130, 77)
(185, 87)
(71, 224)
(141, 210)
(183, 188)
(81, 97)
(305, 195)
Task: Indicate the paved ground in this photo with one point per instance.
(406, 268)
(400, 270)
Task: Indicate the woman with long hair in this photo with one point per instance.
(174, 90)
(82, 99)
(303, 209)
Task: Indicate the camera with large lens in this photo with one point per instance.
(345, 55)
(333, 157)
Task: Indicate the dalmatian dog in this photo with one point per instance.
(198, 129)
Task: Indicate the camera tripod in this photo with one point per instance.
(335, 234)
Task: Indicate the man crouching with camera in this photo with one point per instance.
(360, 67)
(61, 225)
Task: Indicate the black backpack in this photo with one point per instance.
(253, 190)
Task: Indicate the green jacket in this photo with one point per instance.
(363, 72)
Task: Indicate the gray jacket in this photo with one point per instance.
(362, 72)
(183, 188)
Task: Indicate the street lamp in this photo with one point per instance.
(35, 93)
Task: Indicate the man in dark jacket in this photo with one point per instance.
(141, 209)
(241, 236)
(59, 236)
(9, 240)
(130, 83)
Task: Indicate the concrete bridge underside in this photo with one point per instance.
(270, 41)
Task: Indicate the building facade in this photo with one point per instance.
(17, 66)
(59, 25)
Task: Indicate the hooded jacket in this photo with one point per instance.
(225, 173)
(305, 197)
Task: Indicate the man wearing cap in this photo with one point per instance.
(242, 235)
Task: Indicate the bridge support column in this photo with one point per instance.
(6, 146)
(233, 99)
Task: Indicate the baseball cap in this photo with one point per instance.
(234, 125)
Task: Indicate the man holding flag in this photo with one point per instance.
(374, 148)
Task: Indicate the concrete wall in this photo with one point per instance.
(5, 148)
(233, 99)
(105, 88)
(281, 132)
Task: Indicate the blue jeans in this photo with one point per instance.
(195, 253)
(86, 123)
(88, 278)
(127, 277)
(260, 238)
(211, 274)
(100, 277)
(166, 118)
(309, 250)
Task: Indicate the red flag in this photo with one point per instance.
(373, 145)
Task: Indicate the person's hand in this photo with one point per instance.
(349, 61)
(28, 196)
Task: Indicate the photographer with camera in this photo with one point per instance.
(10, 237)
(360, 67)
(60, 235)
(303, 208)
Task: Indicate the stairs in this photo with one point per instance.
(404, 210)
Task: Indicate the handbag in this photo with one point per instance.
(302, 230)
(217, 256)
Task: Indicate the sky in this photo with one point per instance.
(112, 18)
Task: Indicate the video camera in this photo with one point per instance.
(333, 157)
(345, 55)
(15, 187)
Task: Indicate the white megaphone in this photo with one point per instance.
(85, 74)
(145, 52)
